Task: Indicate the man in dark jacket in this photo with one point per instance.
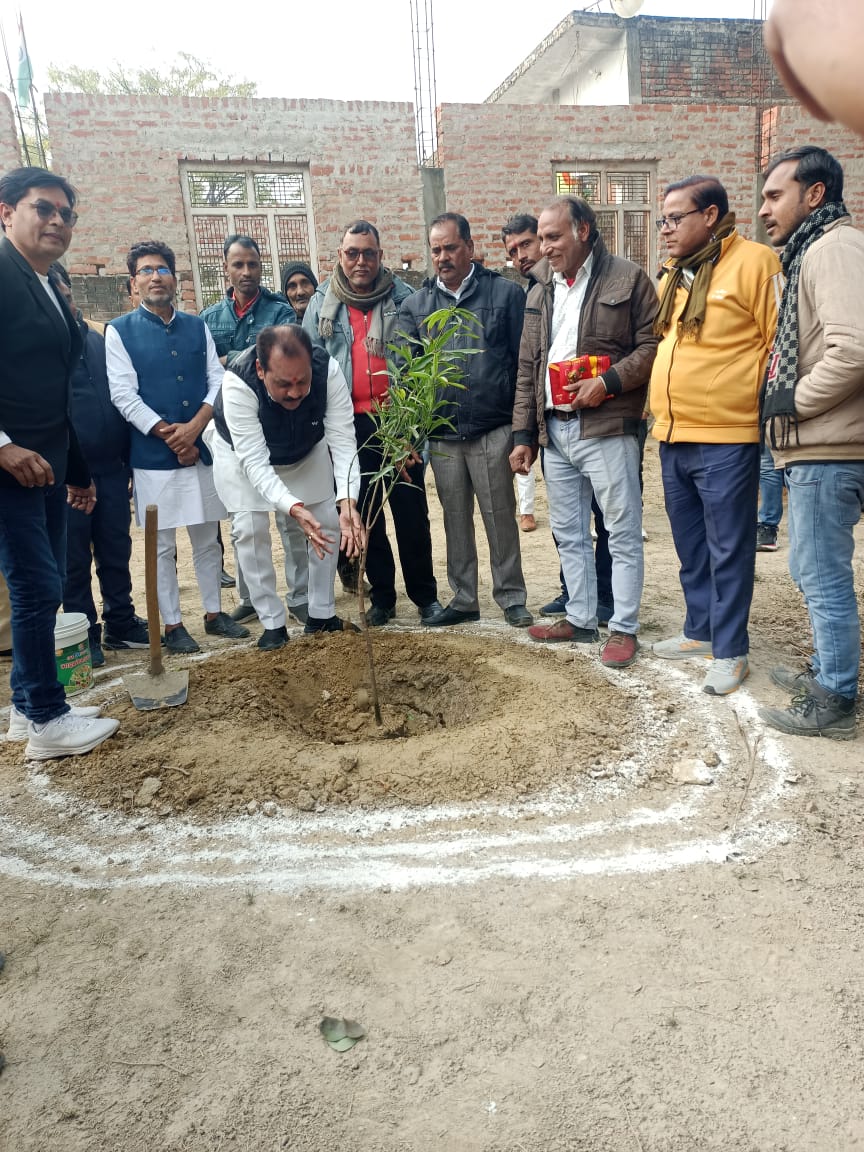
(587, 303)
(41, 465)
(104, 438)
(472, 459)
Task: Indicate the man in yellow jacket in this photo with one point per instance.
(717, 318)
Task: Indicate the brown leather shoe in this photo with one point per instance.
(563, 632)
(528, 523)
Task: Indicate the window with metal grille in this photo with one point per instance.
(622, 197)
(270, 203)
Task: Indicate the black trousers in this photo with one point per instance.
(410, 513)
(103, 537)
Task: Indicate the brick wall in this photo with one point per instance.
(700, 61)
(488, 181)
(8, 138)
(123, 153)
(791, 126)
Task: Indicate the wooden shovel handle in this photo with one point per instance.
(151, 527)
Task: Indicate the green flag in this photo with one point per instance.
(25, 72)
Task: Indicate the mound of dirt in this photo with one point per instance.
(463, 719)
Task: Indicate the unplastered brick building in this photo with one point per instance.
(610, 109)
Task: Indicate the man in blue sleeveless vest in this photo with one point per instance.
(164, 375)
(283, 438)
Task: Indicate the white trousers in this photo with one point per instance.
(525, 486)
(207, 559)
(251, 532)
(296, 562)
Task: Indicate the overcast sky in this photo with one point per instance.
(339, 49)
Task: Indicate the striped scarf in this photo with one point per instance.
(777, 398)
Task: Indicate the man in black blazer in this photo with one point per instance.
(41, 465)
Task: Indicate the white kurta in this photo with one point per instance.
(246, 481)
(184, 495)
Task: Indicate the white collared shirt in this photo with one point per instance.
(566, 314)
(457, 295)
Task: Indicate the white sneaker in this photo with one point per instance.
(68, 735)
(17, 729)
(725, 675)
(681, 647)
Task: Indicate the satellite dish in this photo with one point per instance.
(626, 8)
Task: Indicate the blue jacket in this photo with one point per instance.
(232, 335)
(486, 401)
(339, 345)
(102, 432)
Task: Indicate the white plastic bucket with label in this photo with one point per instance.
(72, 650)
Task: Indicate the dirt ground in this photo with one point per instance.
(573, 909)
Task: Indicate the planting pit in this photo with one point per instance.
(465, 718)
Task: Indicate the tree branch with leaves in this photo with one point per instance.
(412, 412)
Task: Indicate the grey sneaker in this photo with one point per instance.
(243, 612)
(792, 681)
(681, 647)
(299, 612)
(814, 713)
(725, 675)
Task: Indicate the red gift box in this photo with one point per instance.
(569, 371)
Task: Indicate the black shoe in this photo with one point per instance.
(518, 616)
(792, 681)
(605, 612)
(223, 625)
(429, 610)
(332, 624)
(97, 656)
(766, 538)
(244, 612)
(449, 615)
(135, 636)
(227, 580)
(273, 638)
(179, 641)
(816, 712)
(299, 612)
(556, 607)
(377, 616)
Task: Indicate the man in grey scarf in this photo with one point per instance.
(353, 316)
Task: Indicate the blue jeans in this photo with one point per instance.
(33, 559)
(711, 493)
(825, 504)
(770, 490)
(608, 468)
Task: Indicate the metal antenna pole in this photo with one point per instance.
(425, 96)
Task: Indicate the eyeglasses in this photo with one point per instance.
(354, 255)
(45, 210)
(148, 271)
(672, 222)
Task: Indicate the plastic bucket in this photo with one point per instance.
(72, 650)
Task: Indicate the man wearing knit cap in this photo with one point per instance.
(353, 316)
(298, 284)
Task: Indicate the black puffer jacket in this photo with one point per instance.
(486, 402)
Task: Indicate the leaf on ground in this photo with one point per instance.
(340, 1033)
